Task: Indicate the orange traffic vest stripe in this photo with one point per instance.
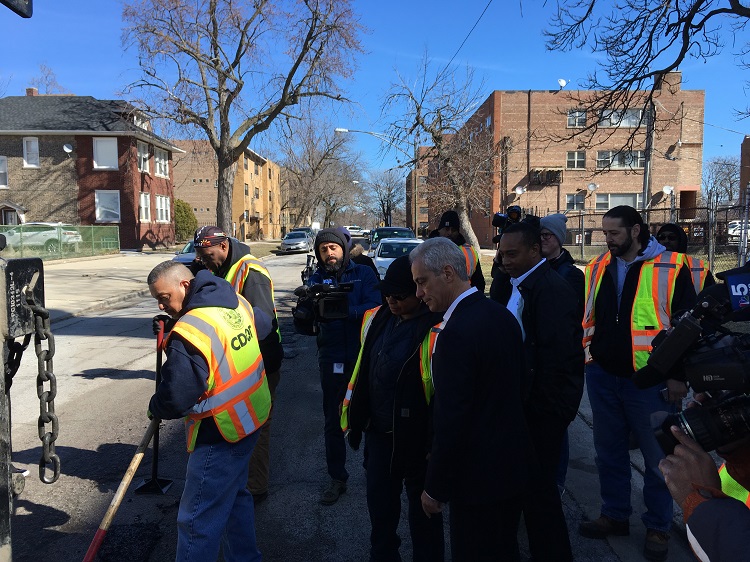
(471, 257)
(698, 272)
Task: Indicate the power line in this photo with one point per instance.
(467, 36)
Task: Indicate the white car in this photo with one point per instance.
(355, 231)
(734, 230)
(52, 236)
(391, 248)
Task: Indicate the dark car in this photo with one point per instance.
(388, 232)
(187, 254)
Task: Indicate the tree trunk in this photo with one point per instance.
(463, 219)
(227, 171)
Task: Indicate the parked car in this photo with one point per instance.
(187, 254)
(296, 241)
(51, 236)
(306, 229)
(388, 232)
(355, 231)
(734, 230)
(391, 248)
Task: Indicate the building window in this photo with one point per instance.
(488, 122)
(142, 157)
(105, 153)
(107, 205)
(257, 193)
(30, 152)
(247, 190)
(620, 160)
(162, 208)
(576, 160)
(144, 211)
(605, 201)
(621, 118)
(424, 210)
(576, 118)
(270, 173)
(256, 168)
(245, 159)
(161, 158)
(575, 201)
(422, 180)
(270, 195)
(216, 183)
(3, 172)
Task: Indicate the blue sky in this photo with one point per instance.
(80, 41)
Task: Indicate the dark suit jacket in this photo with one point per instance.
(480, 451)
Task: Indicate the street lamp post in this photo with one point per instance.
(590, 188)
(669, 190)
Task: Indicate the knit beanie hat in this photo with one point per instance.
(449, 219)
(555, 223)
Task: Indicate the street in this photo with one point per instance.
(105, 363)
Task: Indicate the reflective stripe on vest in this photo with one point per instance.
(237, 395)
(732, 488)
(425, 354)
(652, 306)
(698, 272)
(237, 275)
(472, 258)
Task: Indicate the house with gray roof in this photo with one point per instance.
(80, 160)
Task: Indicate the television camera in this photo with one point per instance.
(321, 302)
(710, 358)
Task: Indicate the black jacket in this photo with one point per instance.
(410, 410)
(480, 449)
(612, 346)
(553, 350)
(566, 268)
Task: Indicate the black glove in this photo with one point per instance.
(166, 320)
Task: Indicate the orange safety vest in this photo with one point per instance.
(425, 365)
(472, 258)
(732, 488)
(237, 396)
(698, 272)
(652, 306)
(237, 275)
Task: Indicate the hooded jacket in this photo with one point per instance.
(338, 341)
(184, 375)
(612, 345)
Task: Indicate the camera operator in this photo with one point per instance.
(338, 345)
(718, 524)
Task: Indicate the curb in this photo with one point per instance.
(103, 305)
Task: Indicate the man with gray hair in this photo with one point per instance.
(480, 448)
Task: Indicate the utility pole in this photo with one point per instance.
(650, 115)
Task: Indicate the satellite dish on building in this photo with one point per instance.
(562, 82)
(68, 148)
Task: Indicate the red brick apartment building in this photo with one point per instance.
(544, 177)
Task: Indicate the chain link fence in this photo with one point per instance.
(714, 235)
(57, 241)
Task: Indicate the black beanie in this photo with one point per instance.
(331, 235)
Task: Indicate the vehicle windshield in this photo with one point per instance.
(188, 249)
(406, 233)
(294, 235)
(395, 250)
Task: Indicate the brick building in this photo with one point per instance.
(79, 160)
(256, 194)
(543, 175)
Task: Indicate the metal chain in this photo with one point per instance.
(45, 374)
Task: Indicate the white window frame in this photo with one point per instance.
(143, 157)
(3, 172)
(625, 160)
(101, 194)
(576, 118)
(631, 118)
(604, 201)
(577, 158)
(162, 209)
(161, 162)
(575, 201)
(144, 207)
(31, 156)
(106, 156)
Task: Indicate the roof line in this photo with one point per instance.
(141, 135)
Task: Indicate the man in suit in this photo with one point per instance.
(481, 449)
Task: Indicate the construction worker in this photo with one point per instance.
(674, 239)
(449, 228)
(631, 293)
(234, 261)
(213, 358)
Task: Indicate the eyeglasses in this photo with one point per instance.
(397, 297)
(665, 236)
(546, 235)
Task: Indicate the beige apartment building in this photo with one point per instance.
(256, 195)
(544, 176)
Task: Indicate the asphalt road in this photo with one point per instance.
(105, 367)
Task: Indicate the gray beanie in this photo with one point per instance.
(556, 225)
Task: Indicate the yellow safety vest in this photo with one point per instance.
(732, 488)
(237, 397)
(698, 272)
(237, 275)
(652, 307)
(472, 258)
(425, 353)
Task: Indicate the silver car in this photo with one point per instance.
(296, 241)
(51, 236)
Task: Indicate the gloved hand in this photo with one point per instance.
(166, 320)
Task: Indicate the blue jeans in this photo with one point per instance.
(619, 407)
(216, 509)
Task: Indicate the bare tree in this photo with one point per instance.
(438, 107)
(637, 43)
(47, 82)
(386, 195)
(230, 68)
(721, 179)
(319, 168)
